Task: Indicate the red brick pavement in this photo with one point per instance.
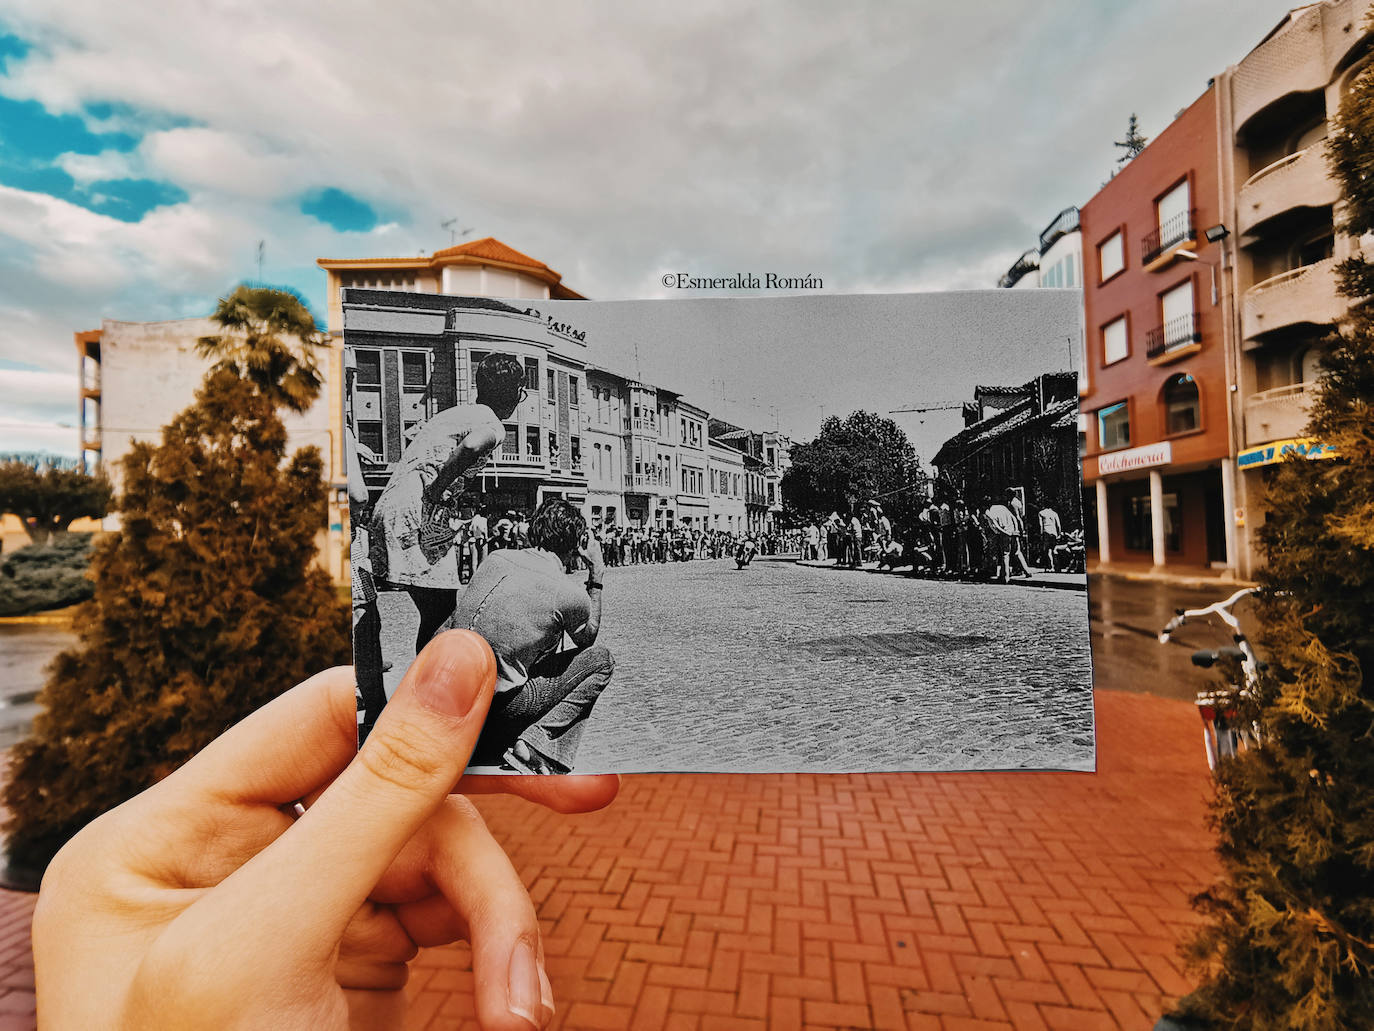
(952, 901)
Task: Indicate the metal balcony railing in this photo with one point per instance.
(1177, 332)
(1064, 223)
(1026, 264)
(1170, 233)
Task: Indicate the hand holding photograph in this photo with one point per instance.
(824, 533)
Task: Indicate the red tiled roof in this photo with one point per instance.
(491, 249)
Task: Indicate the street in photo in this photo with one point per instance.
(814, 533)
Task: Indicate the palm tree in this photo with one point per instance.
(269, 338)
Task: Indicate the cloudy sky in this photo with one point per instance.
(146, 148)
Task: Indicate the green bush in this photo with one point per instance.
(52, 576)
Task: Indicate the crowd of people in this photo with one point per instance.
(992, 540)
(636, 545)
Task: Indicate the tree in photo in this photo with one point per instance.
(1290, 938)
(208, 600)
(861, 458)
(49, 500)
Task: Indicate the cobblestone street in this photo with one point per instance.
(783, 668)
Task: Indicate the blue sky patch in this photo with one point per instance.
(339, 210)
(11, 46)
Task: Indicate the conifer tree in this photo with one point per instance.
(1290, 938)
(208, 602)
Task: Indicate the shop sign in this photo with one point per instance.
(1278, 450)
(1145, 457)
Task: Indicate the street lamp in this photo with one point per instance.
(1213, 234)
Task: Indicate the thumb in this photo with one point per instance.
(330, 861)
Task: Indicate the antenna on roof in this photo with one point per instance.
(453, 231)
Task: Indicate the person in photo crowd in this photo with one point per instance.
(412, 547)
(523, 602)
(1050, 532)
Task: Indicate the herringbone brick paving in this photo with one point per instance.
(944, 901)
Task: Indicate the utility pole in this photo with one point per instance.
(262, 252)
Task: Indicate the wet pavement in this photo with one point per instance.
(1127, 616)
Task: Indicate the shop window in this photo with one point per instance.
(1114, 427)
(1137, 531)
(1182, 412)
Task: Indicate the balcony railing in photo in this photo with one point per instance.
(1171, 232)
(1177, 332)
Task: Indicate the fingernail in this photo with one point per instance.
(545, 994)
(449, 673)
(523, 992)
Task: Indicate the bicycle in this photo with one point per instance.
(1224, 733)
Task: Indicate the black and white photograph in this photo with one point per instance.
(812, 533)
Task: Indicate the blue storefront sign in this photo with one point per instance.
(1278, 450)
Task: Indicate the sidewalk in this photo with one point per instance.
(1042, 578)
(960, 902)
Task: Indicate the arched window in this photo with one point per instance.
(1181, 409)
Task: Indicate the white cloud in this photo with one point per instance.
(109, 164)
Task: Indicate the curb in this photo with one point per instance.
(1234, 584)
(1043, 585)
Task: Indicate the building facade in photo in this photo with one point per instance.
(1022, 438)
(727, 486)
(1158, 438)
(1275, 108)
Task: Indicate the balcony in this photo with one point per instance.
(1177, 338)
(1297, 181)
(1024, 266)
(1064, 223)
(1277, 414)
(515, 458)
(1300, 57)
(1174, 234)
(1301, 296)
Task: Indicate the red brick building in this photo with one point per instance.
(1156, 464)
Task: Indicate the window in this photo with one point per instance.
(1138, 534)
(577, 452)
(1313, 251)
(552, 381)
(553, 446)
(1175, 222)
(370, 435)
(532, 441)
(474, 360)
(414, 370)
(1111, 257)
(1114, 345)
(511, 445)
(369, 368)
(532, 375)
(1181, 408)
(1176, 309)
(572, 390)
(1114, 426)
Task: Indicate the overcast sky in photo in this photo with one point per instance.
(146, 149)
